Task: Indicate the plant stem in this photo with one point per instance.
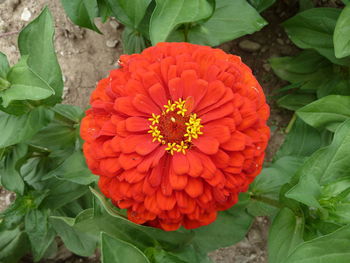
(266, 200)
(187, 26)
(291, 123)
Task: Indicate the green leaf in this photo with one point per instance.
(313, 29)
(168, 15)
(231, 19)
(76, 241)
(341, 36)
(261, 5)
(133, 41)
(104, 10)
(11, 179)
(230, 227)
(62, 192)
(15, 129)
(299, 68)
(303, 140)
(305, 4)
(55, 136)
(286, 232)
(4, 66)
(116, 250)
(74, 169)
(71, 112)
(324, 166)
(39, 232)
(82, 12)
(328, 112)
(13, 245)
(134, 9)
(295, 101)
(25, 84)
(330, 248)
(268, 183)
(126, 229)
(36, 41)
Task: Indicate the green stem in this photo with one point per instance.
(291, 123)
(187, 27)
(266, 200)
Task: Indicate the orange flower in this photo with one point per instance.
(176, 133)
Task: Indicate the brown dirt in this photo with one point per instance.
(85, 58)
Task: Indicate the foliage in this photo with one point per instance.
(305, 191)
(147, 22)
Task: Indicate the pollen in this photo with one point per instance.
(174, 127)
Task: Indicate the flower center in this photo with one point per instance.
(174, 127)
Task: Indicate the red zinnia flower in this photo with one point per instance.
(176, 133)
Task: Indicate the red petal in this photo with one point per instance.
(196, 166)
(215, 92)
(219, 132)
(206, 144)
(221, 159)
(151, 204)
(110, 166)
(165, 202)
(177, 181)
(158, 95)
(124, 105)
(146, 147)
(236, 143)
(180, 163)
(152, 158)
(130, 143)
(128, 161)
(217, 113)
(194, 187)
(175, 88)
(132, 176)
(135, 124)
(145, 104)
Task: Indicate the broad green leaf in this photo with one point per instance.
(119, 13)
(295, 101)
(341, 36)
(305, 4)
(82, 12)
(117, 225)
(333, 247)
(71, 112)
(36, 41)
(286, 232)
(25, 84)
(335, 198)
(4, 66)
(324, 166)
(119, 251)
(104, 10)
(270, 180)
(303, 140)
(62, 192)
(15, 129)
(134, 9)
(261, 5)
(169, 14)
(14, 244)
(267, 185)
(299, 68)
(10, 177)
(39, 232)
(328, 112)
(230, 227)
(55, 136)
(74, 169)
(231, 19)
(76, 241)
(133, 41)
(313, 29)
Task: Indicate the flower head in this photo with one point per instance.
(176, 133)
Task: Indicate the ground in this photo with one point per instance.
(86, 57)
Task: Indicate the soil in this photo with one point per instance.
(86, 57)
